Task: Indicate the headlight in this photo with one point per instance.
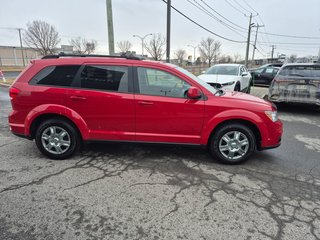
(273, 115)
(227, 84)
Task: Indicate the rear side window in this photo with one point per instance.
(56, 76)
(301, 71)
(107, 78)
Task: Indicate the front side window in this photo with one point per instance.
(56, 75)
(159, 83)
(107, 78)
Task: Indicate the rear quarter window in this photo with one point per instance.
(56, 76)
(106, 78)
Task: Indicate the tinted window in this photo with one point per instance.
(301, 71)
(269, 70)
(223, 70)
(160, 83)
(56, 75)
(108, 78)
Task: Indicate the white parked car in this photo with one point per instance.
(233, 77)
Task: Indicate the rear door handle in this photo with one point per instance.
(78, 97)
(145, 103)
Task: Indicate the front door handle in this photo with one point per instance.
(78, 97)
(145, 103)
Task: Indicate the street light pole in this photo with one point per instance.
(194, 52)
(142, 40)
(19, 29)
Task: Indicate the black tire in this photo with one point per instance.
(229, 128)
(237, 87)
(72, 134)
(249, 89)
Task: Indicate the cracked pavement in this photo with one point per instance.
(136, 191)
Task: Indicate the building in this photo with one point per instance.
(12, 56)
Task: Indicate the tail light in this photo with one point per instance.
(13, 92)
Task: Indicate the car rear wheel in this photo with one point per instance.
(233, 143)
(57, 139)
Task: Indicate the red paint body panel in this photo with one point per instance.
(102, 115)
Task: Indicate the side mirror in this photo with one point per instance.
(244, 74)
(194, 93)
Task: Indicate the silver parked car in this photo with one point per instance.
(296, 83)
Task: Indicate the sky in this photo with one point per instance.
(228, 18)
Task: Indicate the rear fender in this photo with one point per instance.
(58, 110)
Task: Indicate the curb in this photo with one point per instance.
(4, 85)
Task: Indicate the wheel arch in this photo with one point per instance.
(253, 127)
(45, 112)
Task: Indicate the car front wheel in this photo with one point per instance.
(57, 139)
(233, 143)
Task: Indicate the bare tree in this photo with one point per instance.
(124, 46)
(83, 46)
(225, 59)
(210, 50)
(216, 51)
(155, 46)
(181, 55)
(42, 36)
(292, 58)
(236, 57)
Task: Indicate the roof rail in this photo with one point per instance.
(124, 55)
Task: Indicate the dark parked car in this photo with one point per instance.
(265, 74)
(296, 83)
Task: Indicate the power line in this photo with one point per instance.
(201, 8)
(206, 29)
(290, 36)
(291, 43)
(241, 6)
(222, 15)
(235, 8)
(249, 6)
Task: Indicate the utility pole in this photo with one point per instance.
(142, 41)
(19, 29)
(168, 30)
(248, 41)
(255, 40)
(110, 27)
(194, 52)
(272, 51)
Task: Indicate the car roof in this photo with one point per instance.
(301, 64)
(98, 60)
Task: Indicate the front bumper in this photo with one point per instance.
(272, 138)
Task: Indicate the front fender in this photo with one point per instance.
(228, 115)
(58, 110)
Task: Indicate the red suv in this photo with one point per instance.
(63, 101)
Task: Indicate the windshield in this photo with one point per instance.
(223, 70)
(301, 71)
(198, 80)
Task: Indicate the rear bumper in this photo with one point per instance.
(16, 127)
(295, 91)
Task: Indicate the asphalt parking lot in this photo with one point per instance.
(135, 191)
